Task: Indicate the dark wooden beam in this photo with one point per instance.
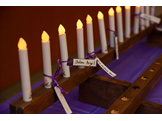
(101, 91)
(147, 107)
(137, 92)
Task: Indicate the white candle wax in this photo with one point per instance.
(46, 59)
(127, 22)
(64, 51)
(147, 22)
(90, 34)
(142, 21)
(119, 23)
(24, 71)
(152, 12)
(136, 20)
(102, 33)
(80, 41)
(112, 27)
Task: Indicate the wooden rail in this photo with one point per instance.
(137, 92)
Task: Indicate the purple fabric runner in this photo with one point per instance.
(129, 67)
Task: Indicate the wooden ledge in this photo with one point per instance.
(147, 107)
(138, 90)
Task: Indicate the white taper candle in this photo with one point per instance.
(64, 51)
(111, 26)
(136, 20)
(24, 70)
(80, 41)
(46, 59)
(119, 23)
(102, 32)
(90, 39)
(127, 22)
(142, 21)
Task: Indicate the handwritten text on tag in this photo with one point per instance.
(62, 100)
(105, 68)
(82, 62)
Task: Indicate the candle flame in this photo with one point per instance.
(100, 15)
(138, 6)
(45, 37)
(127, 7)
(61, 29)
(118, 9)
(89, 19)
(79, 24)
(111, 11)
(22, 44)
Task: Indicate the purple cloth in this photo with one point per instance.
(133, 62)
(129, 67)
(156, 93)
(76, 106)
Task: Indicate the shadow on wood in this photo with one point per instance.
(101, 91)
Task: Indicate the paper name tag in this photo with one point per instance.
(81, 62)
(105, 68)
(151, 18)
(116, 48)
(62, 100)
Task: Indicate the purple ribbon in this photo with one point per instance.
(139, 15)
(54, 82)
(115, 36)
(142, 18)
(112, 31)
(94, 56)
(91, 55)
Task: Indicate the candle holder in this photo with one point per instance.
(43, 97)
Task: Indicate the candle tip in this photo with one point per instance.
(61, 29)
(79, 24)
(118, 9)
(127, 7)
(111, 11)
(100, 15)
(22, 44)
(89, 19)
(45, 36)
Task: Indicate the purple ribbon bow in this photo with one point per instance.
(91, 55)
(54, 82)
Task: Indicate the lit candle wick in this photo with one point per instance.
(22, 44)
(79, 24)
(45, 37)
(61, 29)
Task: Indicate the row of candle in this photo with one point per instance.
(23, 55)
